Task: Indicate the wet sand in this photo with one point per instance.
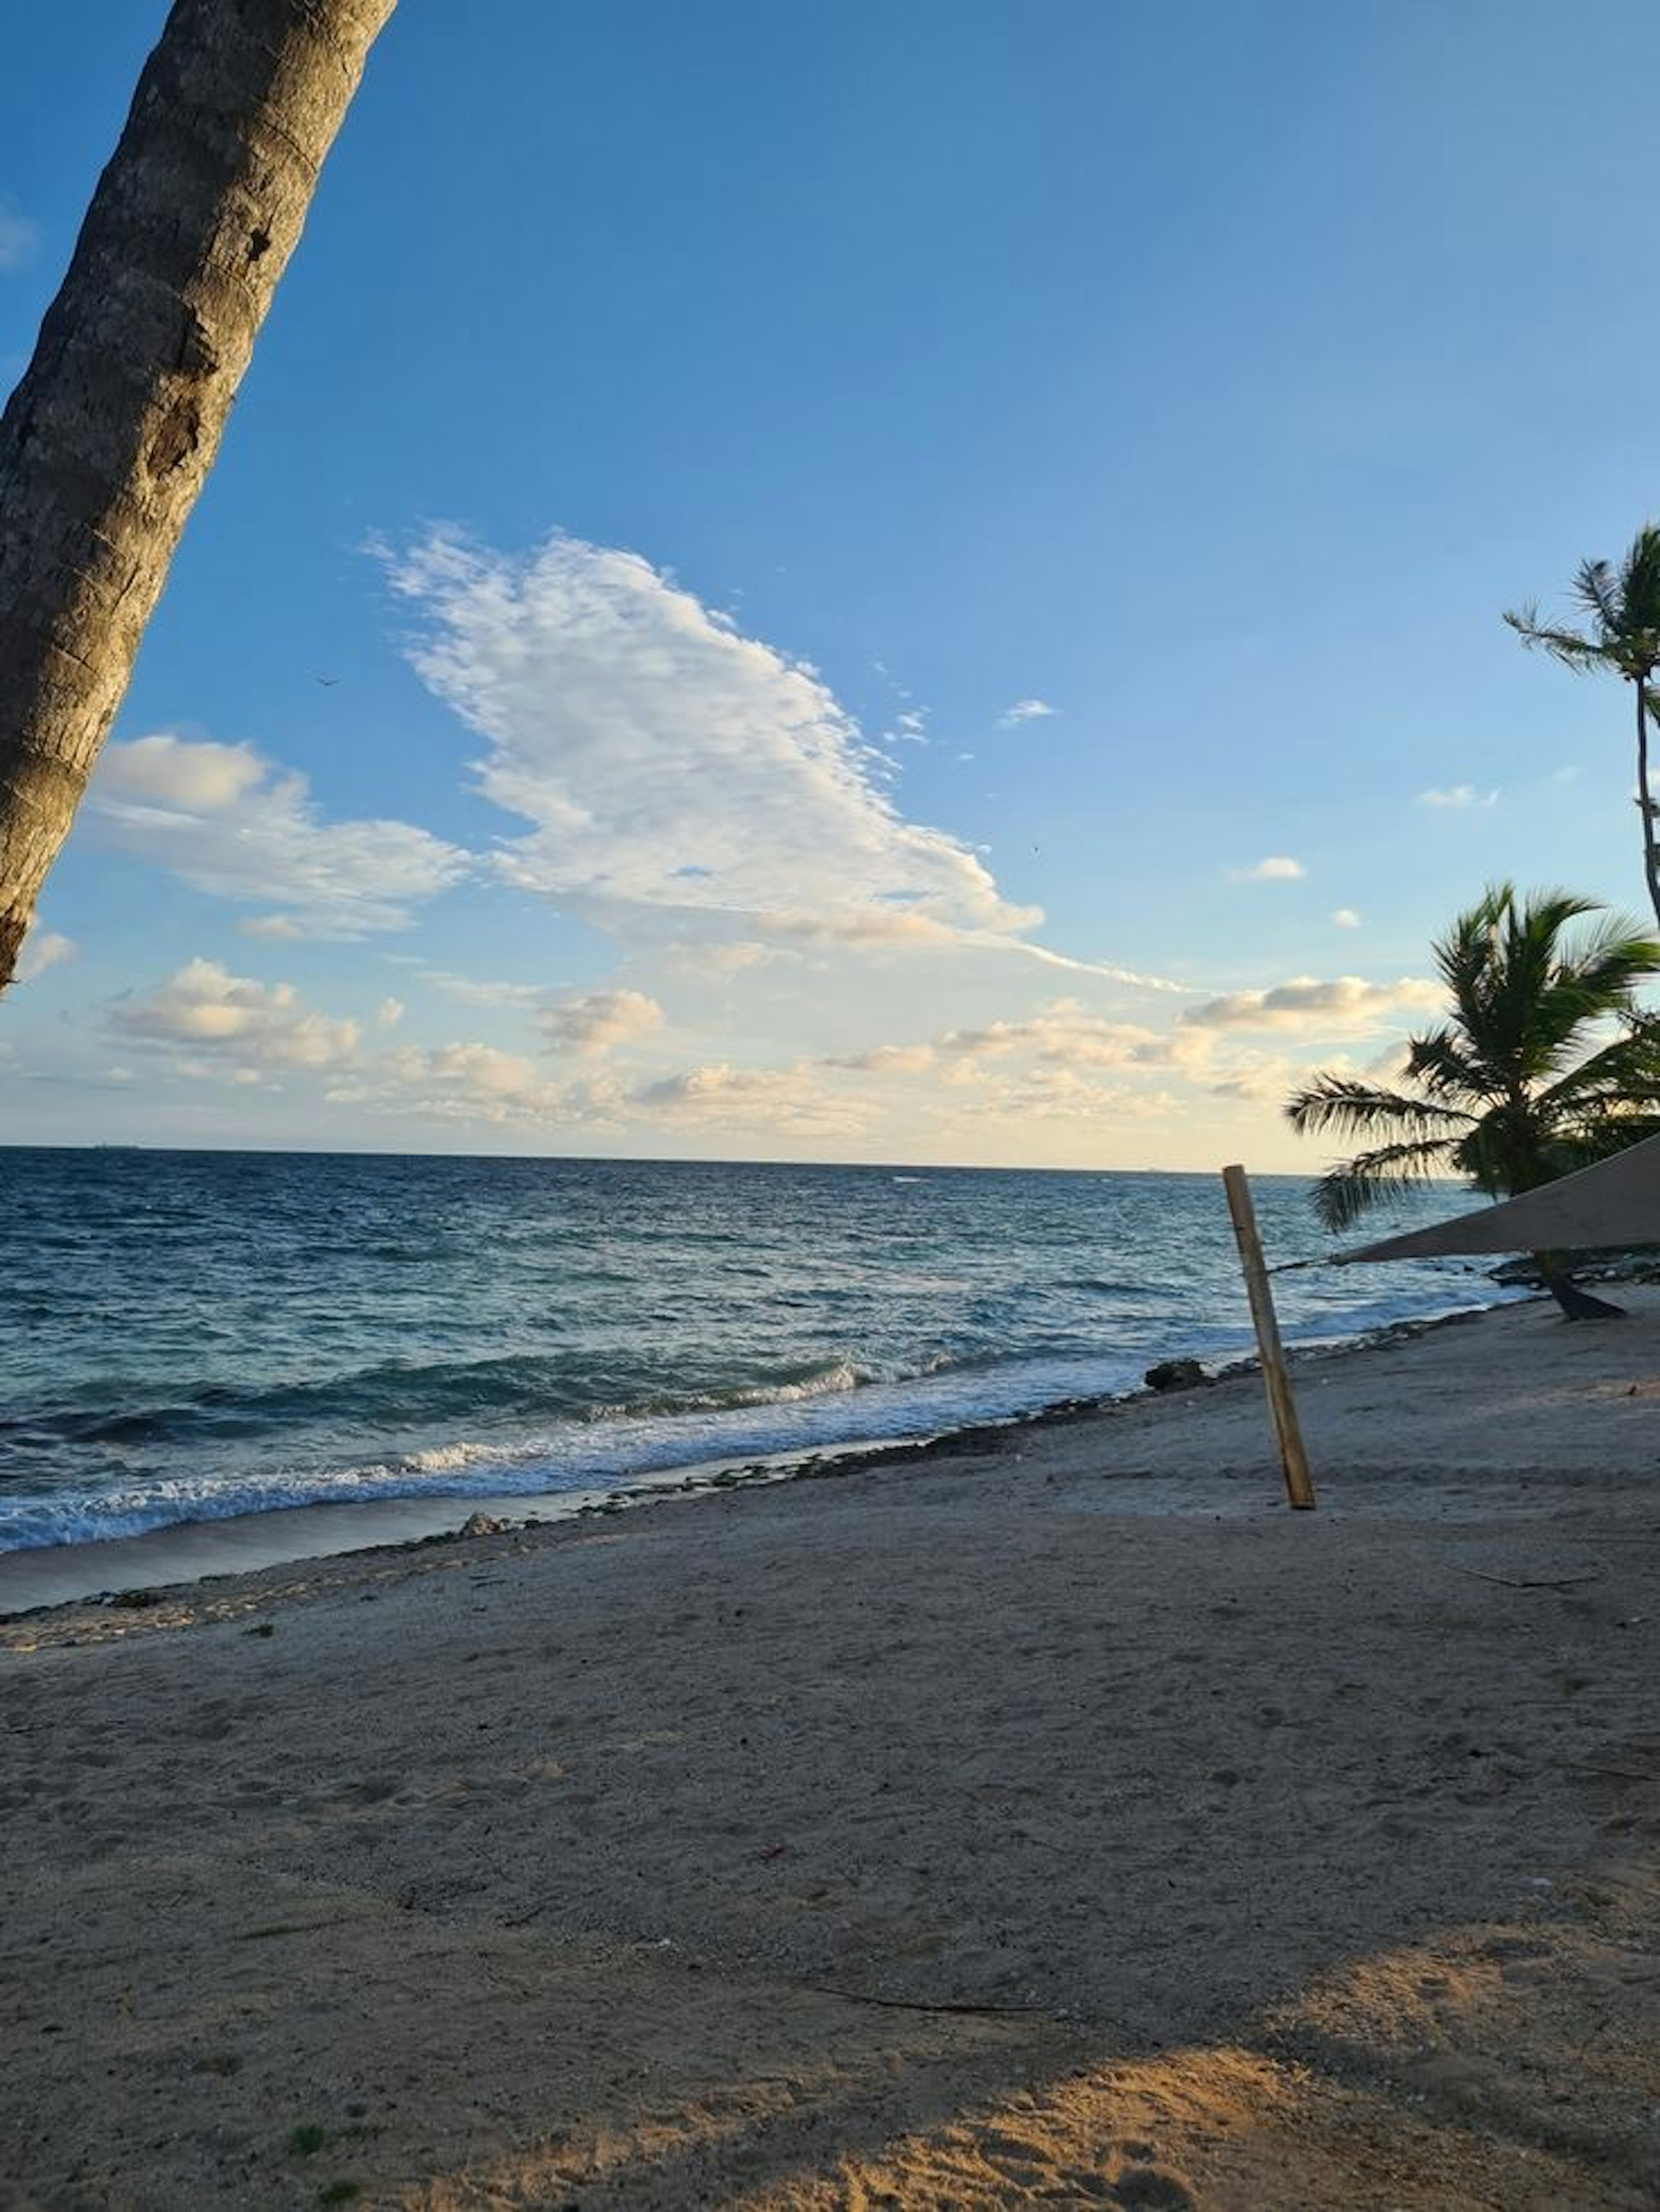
(1053, 1817)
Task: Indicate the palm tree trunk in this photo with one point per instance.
(1645, 800)
(1575, 1304)
(110, 435)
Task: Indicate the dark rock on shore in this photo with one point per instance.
(1174, 1374)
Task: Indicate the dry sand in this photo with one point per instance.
(1061, 1821)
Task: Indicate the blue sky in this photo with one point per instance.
(896, 581)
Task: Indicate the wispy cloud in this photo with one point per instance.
(1345, 917)
(1024, 710)
(281, 928)
(735, 957)
(664, 759)
(1458, 795)
(478, 990)
(1278, 868)
(226, 820)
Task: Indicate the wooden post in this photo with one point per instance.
(1299, 1489)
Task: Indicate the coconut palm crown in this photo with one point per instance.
(1522, 1082)
(1623, 604)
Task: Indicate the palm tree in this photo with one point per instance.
(1523, 1082)
(110, 435)
(1624, 607)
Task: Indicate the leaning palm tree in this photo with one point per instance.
(108, 439)
(1546, 1063)
(1623, 604)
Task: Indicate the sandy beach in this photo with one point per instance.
(1056, 1818)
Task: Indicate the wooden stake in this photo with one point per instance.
(1299, 1488)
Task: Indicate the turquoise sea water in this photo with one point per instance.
(193, 1335)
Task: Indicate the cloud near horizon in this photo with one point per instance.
(1061, 1064)
(597, 1022)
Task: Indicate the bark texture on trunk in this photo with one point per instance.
(109, 438)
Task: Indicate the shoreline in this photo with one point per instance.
(39, 1577)
(1054, 1817)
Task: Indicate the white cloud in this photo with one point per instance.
(666, 761)
(18, 239)
(599, 1021)
(1278, 868)
(281, 927)
(390, 1012)
(1345, 917)
(480, 1068)
(1459, 795)
(793, 1102)
(1024, 710)
(1061, 1094)
(1346, 1004)
(181, 773)
(249, 1023)
(1063, 1034)
(43, 949)
(228, 822)
(733, 958)
(482, 990)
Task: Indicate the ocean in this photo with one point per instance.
(193, 1336)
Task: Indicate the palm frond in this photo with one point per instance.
(1352, 1187)
(1597, 590)
(1446, 1067)
(1600, 973)
(1640, 585)
(1566, 646)
(1349, 1108)
(1626, 1071)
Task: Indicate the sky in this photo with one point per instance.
(857, 581)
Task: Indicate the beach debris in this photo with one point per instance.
(481, 1524)
(1174, 1374)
